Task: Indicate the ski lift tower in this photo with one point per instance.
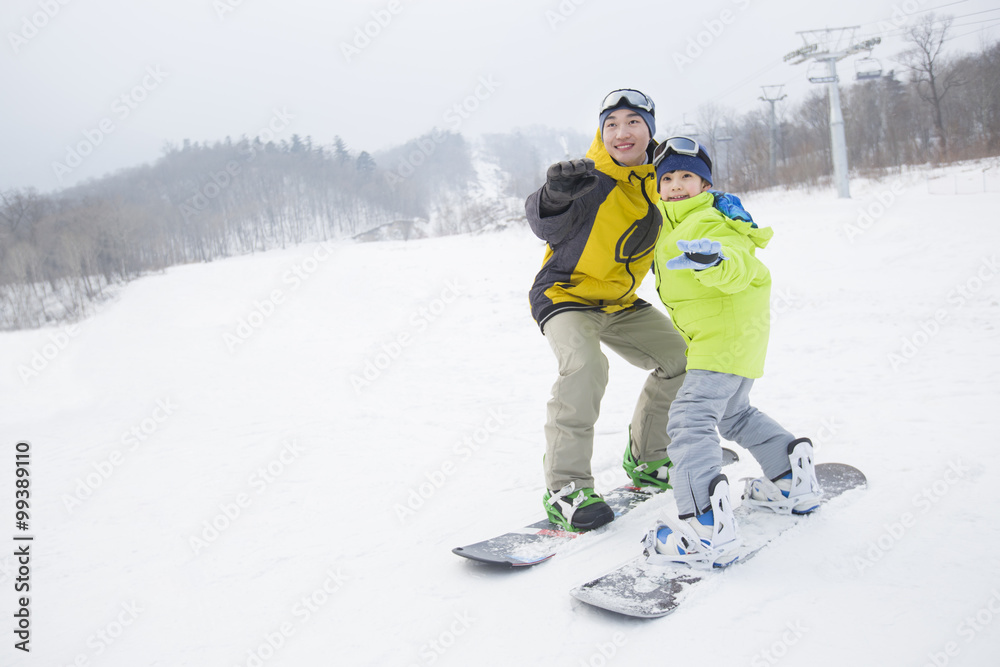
(825, 48)
(772, 94)
(723, 138)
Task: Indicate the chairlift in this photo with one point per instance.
(819, 72)
(867, 68)
(689, 129)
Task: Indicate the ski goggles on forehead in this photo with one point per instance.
(627, 97)
(680, 146)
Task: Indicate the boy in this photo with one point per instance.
(718, 296)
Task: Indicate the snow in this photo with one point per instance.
(267, 460)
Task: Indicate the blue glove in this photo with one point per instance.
(731, 207)
(698, 255)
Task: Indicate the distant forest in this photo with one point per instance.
(935, 109)
(199, 202)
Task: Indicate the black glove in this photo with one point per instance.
(566, 181)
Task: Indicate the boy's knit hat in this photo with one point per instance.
(692, 163)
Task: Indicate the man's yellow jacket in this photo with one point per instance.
(598, 251)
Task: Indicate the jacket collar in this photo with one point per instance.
(677, 211)
(624, 175)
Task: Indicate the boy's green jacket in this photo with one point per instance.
(723, 312)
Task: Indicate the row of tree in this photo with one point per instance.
(200, 202)
(937, 108)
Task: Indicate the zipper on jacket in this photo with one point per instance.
(674, 322)
(649, 207)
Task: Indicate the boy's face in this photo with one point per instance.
(678, 185)
(626, 136)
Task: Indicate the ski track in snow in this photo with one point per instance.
(383, 403)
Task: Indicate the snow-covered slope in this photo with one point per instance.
(267, 460)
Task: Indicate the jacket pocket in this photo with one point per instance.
(696, 317)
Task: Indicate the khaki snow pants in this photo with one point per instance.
(645, 338)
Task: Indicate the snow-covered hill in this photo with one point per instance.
(267, 460)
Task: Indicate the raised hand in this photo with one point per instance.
(697, 255)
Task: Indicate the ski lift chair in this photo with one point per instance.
(867, 68)
(820, 73)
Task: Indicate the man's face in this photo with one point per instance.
(626, 137)
(678, 185)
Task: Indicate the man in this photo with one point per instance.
(599, 218)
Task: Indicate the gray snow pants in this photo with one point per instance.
(706, 402)
(645, 338)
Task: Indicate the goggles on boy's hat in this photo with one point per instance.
(682, 154)
(680, 146)
(628, 97)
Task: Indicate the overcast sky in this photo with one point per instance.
(92, 86)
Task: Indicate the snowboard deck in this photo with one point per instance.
(542, 540)
(644, 590)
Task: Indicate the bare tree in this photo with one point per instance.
(710, 121)
(926, 64)
(18, 208)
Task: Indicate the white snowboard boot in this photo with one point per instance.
(797, 492)
(710, 539)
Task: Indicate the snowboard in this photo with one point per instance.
(541, 540)
(644, 590)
